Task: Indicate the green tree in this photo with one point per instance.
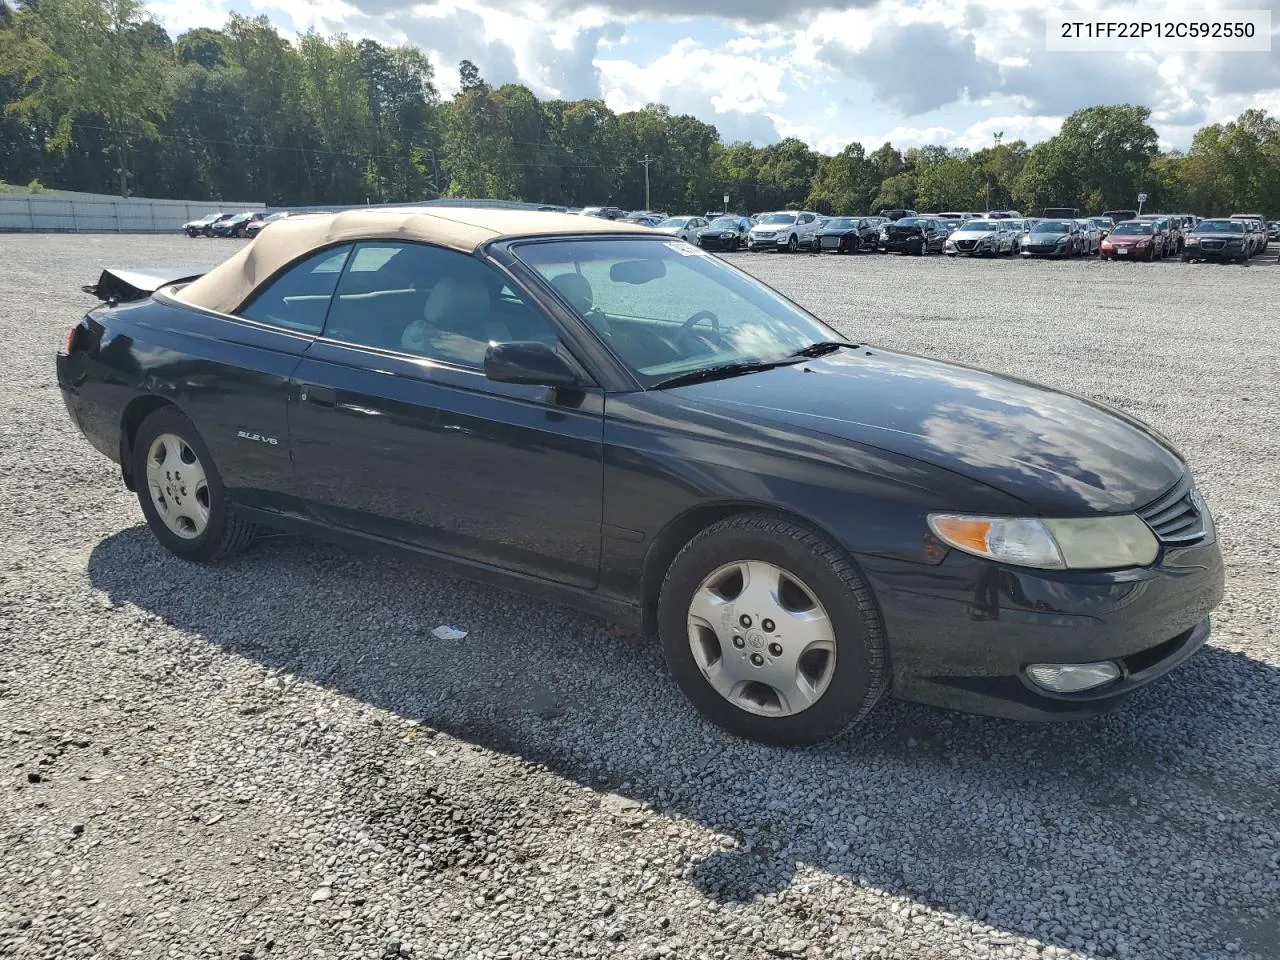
(95, 61)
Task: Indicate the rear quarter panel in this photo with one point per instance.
(225, 375)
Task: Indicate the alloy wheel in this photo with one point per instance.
(178, 486)
(761, 638)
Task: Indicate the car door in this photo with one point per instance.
(237, 389)
(398, 434)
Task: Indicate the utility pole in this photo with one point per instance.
(646, 161)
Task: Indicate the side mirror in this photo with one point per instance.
(528, 361)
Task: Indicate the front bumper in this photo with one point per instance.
(719, 243)
(1055, 253)
(895, 245)
(962, 633)
(1213, 253)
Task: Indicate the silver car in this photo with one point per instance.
(686, 228)
(1090, 237)
(985, 238)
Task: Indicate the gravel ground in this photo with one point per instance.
(274, 756)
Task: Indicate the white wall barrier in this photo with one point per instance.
(94, 213)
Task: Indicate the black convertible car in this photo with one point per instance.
(571, 406)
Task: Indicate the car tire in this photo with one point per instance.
(842, 670)
(793, 244)
(186, 505)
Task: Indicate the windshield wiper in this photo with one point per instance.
(821, 348)
(722, 370)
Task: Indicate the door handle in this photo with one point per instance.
(320, 396)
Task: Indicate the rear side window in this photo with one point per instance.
(299, 298)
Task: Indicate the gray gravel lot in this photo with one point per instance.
(274, 756)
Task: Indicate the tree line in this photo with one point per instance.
(98, 97)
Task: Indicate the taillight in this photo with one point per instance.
(84, 337)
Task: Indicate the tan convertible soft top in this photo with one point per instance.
(227, 286)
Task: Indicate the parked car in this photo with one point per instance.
(1059, 237)
(1060, 213)
(196, 228)
(1003, 215)
(1217, 239)
(686, 228)
(849, 235)
(1262, 240)
(1120, 216)
(234, 225)
(784, 230)
(603, 213)
(980, 238)
(254, 227)
(915, 235)
(725, 233)
(1273, 230)
(943, 533)
(897, 214)
(1104, 224)
(1164, 243)
(644, 221)
(1090, 237)
(1132, 240)
(956, 215)
(1017, 227)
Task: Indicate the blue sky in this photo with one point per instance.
(830, 72)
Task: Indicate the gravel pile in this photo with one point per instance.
(276, 758)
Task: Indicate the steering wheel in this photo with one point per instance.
(712, 339)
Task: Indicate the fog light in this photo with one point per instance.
(1072, 677)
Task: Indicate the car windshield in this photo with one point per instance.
(908, 222)
(1219, 226)
(674, 222)
(668, 309)
(1051, 226)
(725, 223)
(1132, 230)
(840, 223)
(978, 226)
(778, 218)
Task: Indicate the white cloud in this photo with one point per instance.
(925, 71)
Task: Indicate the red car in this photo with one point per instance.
(1132, 240)
(254, 227)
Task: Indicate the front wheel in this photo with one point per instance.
(792, 244)
(181, 492)
(771, 632)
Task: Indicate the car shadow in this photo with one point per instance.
(1147, 820)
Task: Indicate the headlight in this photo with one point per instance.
(1084, 543)
(727, 235)
(1193, 241)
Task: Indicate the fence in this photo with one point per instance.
(96, 213)
(67, 212)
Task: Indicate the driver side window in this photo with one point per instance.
(430, 301)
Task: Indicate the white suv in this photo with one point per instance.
(788, 230)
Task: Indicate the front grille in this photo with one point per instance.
(1178, 516)
(830, 243)
(965, 244)
(1211, 244)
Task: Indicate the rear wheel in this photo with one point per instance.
(770, 631)
(181, 492)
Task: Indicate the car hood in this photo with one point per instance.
(837, 231)
(1059, 453)
(1048, 235)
